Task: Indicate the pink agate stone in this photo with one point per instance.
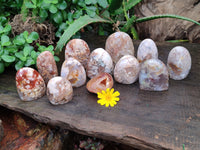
(153, 75)
(78, 49)
(119, 44)
(30, 84)
(47, 66)
(179, 63)
(99, 61)
(59, 91)
(100, 82)
(127, 70)
(73, 71)
(147, 50)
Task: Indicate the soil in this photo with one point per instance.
(45, 30)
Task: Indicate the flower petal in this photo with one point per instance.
(116, 99)
(116, 94)
(100, 95)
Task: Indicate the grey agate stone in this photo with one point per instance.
(153, 76)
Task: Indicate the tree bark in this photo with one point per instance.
(169, 28)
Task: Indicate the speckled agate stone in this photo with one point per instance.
(30, 84)
(127, 70)
(153, 75)
(118, 45)
(73, 71)
(59, 91)
(78, 49)
(179, 63)
(47, 66)
(147, 50)
(99, 61)
(100, 82)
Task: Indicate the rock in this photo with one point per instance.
(23, 133)
(179, 63)
(78, 49)
(147, 50)
(47, 66)
(100, 82)
(73, 71)
(30, 84)
(99, 61)
(153, 75)
(59, 91)
(119, 44)
(127, 70)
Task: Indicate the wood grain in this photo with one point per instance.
(141, 119)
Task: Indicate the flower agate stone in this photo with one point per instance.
(47, 66)
(100, 82)
(59, 90)
(79, 50)
(73, 71)
(99, 61)
(153, 75)
(147, 50)
(179, 63)
(127, 70)
(119, 44)
(30, 84)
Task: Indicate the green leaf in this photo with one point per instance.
(77, 14)
(27, 50)
(25, 34)
(56, 58)
(81, 3)
(20, 56)
(34, 2)
(8, 58)
(29, 62)
(62, 5)
(43, 13)
(70, 17)
(7, 28)
(19, 65)
(64, 14)
(62, 26)
(91, 11)
(19, 40)
(50, 48)
(11, 49)
(45, 5)
(102, 3)
(53, 9)
(33, 54)
(29, 5)
(76, 26)
(51, 1)
(128, 5)
(58, 17)
(5, 40)
(106, 14)
(115, 4)
(165, 16)
(88, 2)
(1, 29)
(33, 36)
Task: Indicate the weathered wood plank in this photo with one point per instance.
(142, 119)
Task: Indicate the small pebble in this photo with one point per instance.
(127, 70)
(30, 84)
(99, 61)
(59, 91)
(100, 82)
(47, 66)
(118, 45)
(78, 49)
(73, 71)
(147, 50)
(153, 75)
(179, 63)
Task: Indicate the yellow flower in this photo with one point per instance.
(108, 97)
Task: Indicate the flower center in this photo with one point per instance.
(108, 97)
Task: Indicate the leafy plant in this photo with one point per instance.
(19, 50)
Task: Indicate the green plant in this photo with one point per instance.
(19, 51)
(118, 12)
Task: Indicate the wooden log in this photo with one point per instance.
(168, 28)
(23, 133)
(141, 119)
